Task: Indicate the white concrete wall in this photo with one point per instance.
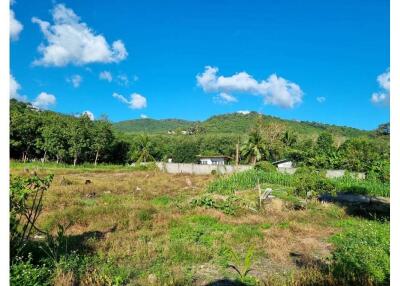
(329, 173)
(197, 169)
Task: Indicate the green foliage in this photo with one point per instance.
(247, 180)
(310, 185)
(26, 203)
(25, 273)
(242, 266)
(254, 149)
(313, 181)
(265, 166)
(227, 206)
(362, 254)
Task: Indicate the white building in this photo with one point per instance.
(213, 160)
(283, 164)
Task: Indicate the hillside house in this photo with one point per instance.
(213, 160)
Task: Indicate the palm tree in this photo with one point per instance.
(144, 149)
(254, 149)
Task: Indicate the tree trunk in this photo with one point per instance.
(58, 158)
(97, 157)
(44, 157)
(254, 160)
(75, 159)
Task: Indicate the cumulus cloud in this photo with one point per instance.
(274, 90)
(14, 89)
(15, 26)
(106, 75)
(383, 96)
(224, 97)
(88, 114)
(321, 99)
(244, 112)
(70, 41)
(136, 101)
(143, 116)
(44, 100)
(75, 80)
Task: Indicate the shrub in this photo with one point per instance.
(227, 206)
(312, 184)
(265, 166)
(362, 254)
(27, 274)
(26, 204)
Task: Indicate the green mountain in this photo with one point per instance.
(233, 123)
(152, 125)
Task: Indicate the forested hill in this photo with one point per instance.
(235, 123)
(152, 125)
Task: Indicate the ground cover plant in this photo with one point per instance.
(249, 179)
(153, 228)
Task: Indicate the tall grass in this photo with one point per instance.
(249, 179)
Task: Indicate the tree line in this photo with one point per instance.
(48, 135)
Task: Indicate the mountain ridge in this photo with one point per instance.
(232, 123)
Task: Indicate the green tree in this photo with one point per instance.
(144, 149)
(102, 137)
(79, 136)
(254, 149)
(24, 130)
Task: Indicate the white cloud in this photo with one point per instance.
(70, 41)
(275, 90)
(143, 116)
(382, 97)
(244, 112)
(136, 101)
(321, 99)
(44, 100)
(224, 97)
(106, 75)
(14, 87)
(88, 114)
(75, 80)
(15, 26)
(123, 79)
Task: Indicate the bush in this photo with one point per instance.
(362, 254)
(27, 274)
(26, 204)
(265, 166)
(312, 184)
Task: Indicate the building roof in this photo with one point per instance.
(281, 161)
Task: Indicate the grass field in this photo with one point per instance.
(130, 227)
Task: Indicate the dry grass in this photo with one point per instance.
(134, 217)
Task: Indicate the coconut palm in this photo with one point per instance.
(254, 149)
(144, 149)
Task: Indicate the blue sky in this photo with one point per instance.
(325, 61)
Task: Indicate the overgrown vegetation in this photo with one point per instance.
(140, 229)
(362, 254)
(315, 183)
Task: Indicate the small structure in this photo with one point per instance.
(213, 160)
(285, 163)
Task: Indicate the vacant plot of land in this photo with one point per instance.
(148, 227)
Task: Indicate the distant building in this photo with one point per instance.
(285, 163)
(213, 160)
